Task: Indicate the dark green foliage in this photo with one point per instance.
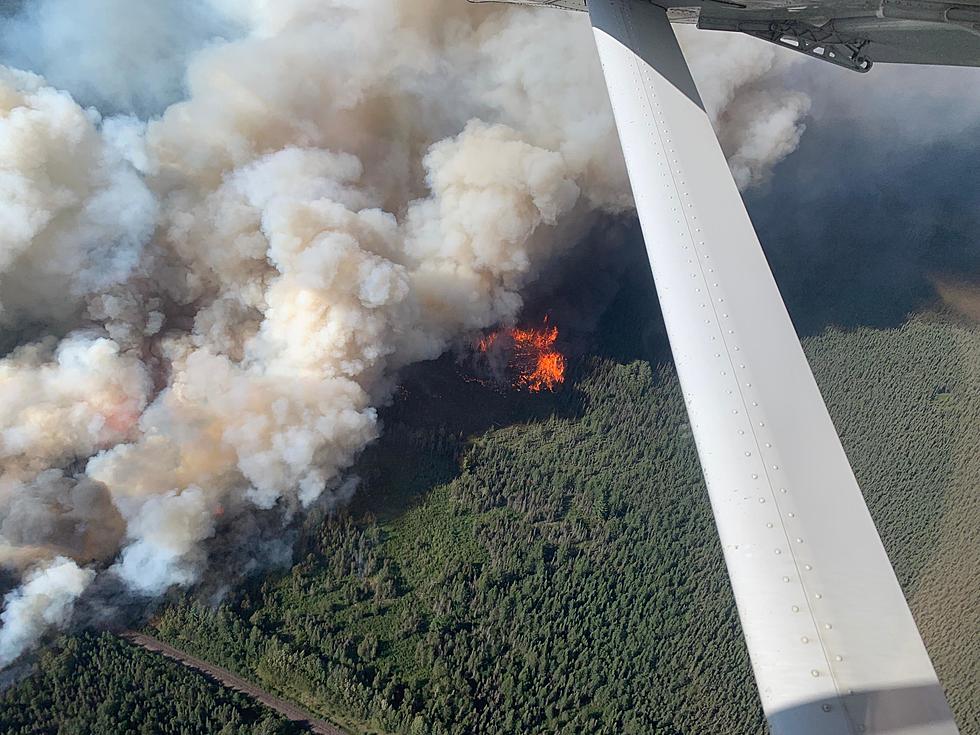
(561, 573)
(907, 404)
(568, 579)
(548, 588)
(99, 684)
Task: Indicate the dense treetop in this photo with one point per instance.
(89, 684)
(549, 564)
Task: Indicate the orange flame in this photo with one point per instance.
(487, 343)
(538, 365)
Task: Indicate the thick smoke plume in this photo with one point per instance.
(46, 598)
(332, 190)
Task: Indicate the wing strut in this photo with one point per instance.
(834, 647)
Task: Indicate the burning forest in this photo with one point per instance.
(230, 229)
(525, 359)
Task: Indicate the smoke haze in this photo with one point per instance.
(879, 205)
(82, 47)
(227, 225)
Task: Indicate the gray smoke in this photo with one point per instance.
(116, 55)
(867, 242)
(342, 188)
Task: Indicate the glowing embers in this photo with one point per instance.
(523, 358)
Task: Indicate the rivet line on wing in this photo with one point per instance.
(676, 176)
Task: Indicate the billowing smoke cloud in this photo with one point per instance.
(46, 598)
(345, 189)
(67, 400)
(74, 215)
(758, 123)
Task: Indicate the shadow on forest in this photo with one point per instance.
(847, 251)
(602, 299)
(438, 408)
(861, 244)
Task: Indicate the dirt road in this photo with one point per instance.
(287, 709)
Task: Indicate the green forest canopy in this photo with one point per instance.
(560, 572)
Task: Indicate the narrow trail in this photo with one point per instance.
(287, 709)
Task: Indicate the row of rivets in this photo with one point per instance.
(768, 445)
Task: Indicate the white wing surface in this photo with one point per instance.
(834, 647)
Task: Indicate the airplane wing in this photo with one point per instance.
(834, 647)
(850, 33)
(855, 35)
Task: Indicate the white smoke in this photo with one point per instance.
(345, 190)
(61, 401)
(74, 214)
(46, 598)
(758, 123)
